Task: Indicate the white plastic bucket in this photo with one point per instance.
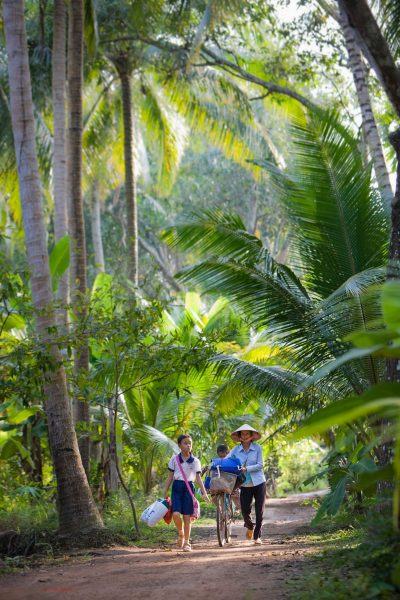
(154, 513)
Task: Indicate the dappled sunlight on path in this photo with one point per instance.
(238, 571)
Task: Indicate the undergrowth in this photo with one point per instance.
(28, 528)
(358, 557)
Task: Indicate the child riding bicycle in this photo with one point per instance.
(222, 452)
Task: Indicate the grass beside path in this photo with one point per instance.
(356, 562)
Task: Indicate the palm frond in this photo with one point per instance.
(357, 284)
(220, 124)
(147, 435)
(340, 225)
(274, 383)
(90, 29)
(264, 297)
(168, 129)
(215, 232)
(223, 90)
(390, 19)
(328, 368)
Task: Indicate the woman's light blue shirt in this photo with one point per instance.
(253, 459)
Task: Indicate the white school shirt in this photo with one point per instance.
(191, 467)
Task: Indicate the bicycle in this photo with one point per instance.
(222, 498)
(223, 502)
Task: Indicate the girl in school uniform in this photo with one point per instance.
(182, 500)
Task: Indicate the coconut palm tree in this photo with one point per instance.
(146, 70)
(381, 47)
(339, 248)
(165, 112)
(59, 142)
(360, 77)
(76, 506)
(77, 226)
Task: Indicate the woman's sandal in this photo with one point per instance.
(187, 547)
(180, 542)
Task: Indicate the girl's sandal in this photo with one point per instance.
(180, 541)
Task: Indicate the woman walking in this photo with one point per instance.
(254, 486)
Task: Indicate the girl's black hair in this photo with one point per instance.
(183, 436)
(222, 448)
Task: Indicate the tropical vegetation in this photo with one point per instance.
(199, 224)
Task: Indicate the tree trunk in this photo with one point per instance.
(96, 229)
(34, 467)
(77, 510)
(77, 226)
(42, 28)
(363, 21)
(394, 248)
(252, 216)
(360, 77)
(125, 74)
(111, 477)
(393, 272)
(59, 147)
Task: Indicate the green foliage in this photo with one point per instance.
(298, 464)
(356, 559)
(217, 232)
(90, 27)
(307, 315)
(382, 399)
(59, 260)
(155, 369)
(339, 223)
(168, 130)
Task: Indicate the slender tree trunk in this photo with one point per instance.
(77, 510)
(34, 467)
(125, 74)
(252, 216)
(394, 248)
(42, 22)
(96, 229)
(361, 18)
(59, 146)
(393, 364)
(113, 441)
(360, 77)
(378, 52)
(111, 473)
(77, 226)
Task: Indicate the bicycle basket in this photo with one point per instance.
(222, 482)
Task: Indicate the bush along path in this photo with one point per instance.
(239, 570)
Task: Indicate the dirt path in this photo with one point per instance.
(240, 571)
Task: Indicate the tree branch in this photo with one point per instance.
(219, 61)
(153, 252)
(272, 88)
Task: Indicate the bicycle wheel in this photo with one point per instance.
(228, 517)
(221, 519)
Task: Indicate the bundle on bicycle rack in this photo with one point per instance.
(224, 473)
